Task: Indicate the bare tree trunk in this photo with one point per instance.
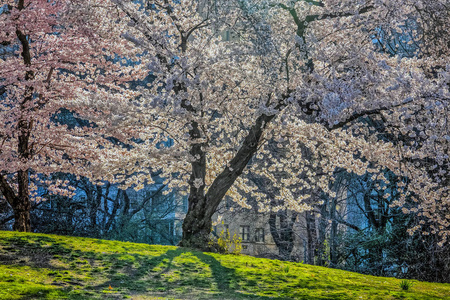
(125, 214)
(112, 216)
(312, 236)
(105, 209)
(322, 250)
(22, 205)
(333, 234)
(93, 209)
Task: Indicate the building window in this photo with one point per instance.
(226, 36)
(259, 235)
(228, 203)
(185, 204)
(245, 233)
(171, 228)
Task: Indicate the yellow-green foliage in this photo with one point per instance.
(39, 266)
(226, 244)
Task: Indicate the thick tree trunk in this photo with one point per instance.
(198, 221)
(197, 224)
(22, 205)
(22, 217)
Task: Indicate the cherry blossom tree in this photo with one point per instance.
(54, 52)
(228, 76)
(231, 75)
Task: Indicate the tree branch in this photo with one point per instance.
(6, 220)
(369, 112)
(312, 18)
(143, 203)
(343, 222)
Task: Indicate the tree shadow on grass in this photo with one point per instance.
(226, 279)
(33, 251)
(93, 274)
(118, 274)
(151, 278)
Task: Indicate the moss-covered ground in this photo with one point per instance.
(40, 266)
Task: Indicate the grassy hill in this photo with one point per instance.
(39, 266)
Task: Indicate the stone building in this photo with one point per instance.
(253, 229)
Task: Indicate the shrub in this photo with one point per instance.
(405, 285)
(225, 244)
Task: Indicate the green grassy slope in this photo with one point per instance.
(39, 266)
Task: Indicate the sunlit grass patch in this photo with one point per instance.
(38, 266)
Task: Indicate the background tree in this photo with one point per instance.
(373, 235)
(55, 53)
(108, 212)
